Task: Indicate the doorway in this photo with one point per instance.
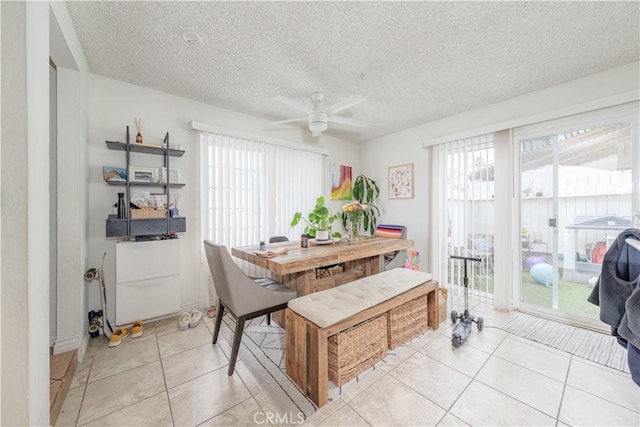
(576, 194)
(53, 202)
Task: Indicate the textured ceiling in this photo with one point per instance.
(414, 61)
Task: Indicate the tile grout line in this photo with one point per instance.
(346, 404)
(509, 396)
(564, 389)
(128, 370)
(164, 378)
(84, 392)
(579, 360)
(448, 411)
(267, 372)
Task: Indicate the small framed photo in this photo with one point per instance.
(141, 174)
(158, 200)
(110, 173)
(401, 181)
(174, 177)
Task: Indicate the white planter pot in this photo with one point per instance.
(322, 234)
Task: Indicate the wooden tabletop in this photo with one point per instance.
(302, 259)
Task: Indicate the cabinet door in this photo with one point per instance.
(147, 299)
(147, 280)
(147, 260)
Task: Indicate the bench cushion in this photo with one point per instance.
(327, 307)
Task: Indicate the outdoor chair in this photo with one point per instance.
(481, 246)
(241, 296)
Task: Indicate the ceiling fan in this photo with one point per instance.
(320, 117)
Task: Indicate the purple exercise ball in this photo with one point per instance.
(533, 260)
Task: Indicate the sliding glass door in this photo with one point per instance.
(576, 194)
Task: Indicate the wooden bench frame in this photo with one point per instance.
(306, 342)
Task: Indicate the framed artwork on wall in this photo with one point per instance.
(341, 184)
(401, 181)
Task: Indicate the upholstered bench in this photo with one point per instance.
(314, 319)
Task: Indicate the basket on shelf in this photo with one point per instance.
(148, 213)
(324, 272)
(356, 349)
(407, 321)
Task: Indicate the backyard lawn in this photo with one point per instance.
(572, 296)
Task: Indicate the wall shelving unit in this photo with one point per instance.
(145, 226)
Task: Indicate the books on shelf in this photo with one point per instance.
(390, 231)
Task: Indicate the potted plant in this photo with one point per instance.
(365, 191)
(319, 221)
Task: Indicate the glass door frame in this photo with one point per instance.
(627, 112)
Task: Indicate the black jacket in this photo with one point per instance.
(614, 286)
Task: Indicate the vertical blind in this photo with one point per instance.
(251, 189)
(465, 212)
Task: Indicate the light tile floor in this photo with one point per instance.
(171, 377)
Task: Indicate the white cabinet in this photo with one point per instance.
(147, 280)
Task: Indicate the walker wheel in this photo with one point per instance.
(480, 323)
(454, 316)
(455, 341)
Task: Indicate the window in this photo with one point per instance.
(251, 189)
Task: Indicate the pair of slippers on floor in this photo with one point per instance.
(121, 333)
(189, 320)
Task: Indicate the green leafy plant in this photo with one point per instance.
(366, 191)
(319, 219)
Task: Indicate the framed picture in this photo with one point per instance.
(110, 173)
(141, 174)
(401, 181)
(173, 176)
(341, 182)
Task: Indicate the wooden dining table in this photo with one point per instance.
(322, 266)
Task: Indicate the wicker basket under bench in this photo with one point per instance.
(323, 343)
(355, 350)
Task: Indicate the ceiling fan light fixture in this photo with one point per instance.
(318, 118)
(317, 123)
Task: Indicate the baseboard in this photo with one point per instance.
(84, 343)
(193, 306)
(66, 344)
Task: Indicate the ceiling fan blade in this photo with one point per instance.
(344, 104)
(293, 104)
(345, 121)
(281, 122)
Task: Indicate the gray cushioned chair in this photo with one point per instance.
(243, 298)
(276, 239)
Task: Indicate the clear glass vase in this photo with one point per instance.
(354, 226)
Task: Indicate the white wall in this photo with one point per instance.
(72, 127)
(13, 225)
(25, 194)
(406, 146)
(37, 207)
(113, 105)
